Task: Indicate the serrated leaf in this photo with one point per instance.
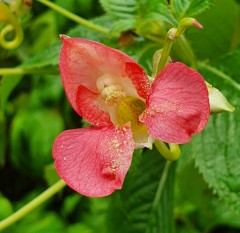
(120, 9)
(217, 150)
(131, 210)
(189, 8)
(155, 10)
(123, 25)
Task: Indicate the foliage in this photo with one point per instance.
(34, 109)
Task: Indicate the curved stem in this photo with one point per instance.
(161, 184)
(16, 41)
(172, 153)
(32, 204)
(77, 19)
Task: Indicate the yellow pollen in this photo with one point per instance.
(110, 91)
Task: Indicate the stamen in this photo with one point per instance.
(110, 91)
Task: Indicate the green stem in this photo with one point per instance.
(32, 204)
(187, 51)
(172, 153)
(18, 70)
(16, 41)
(78, 19)
(165, 53)
(11, 71)
(220, 74)
(172, 35)
(161, 184)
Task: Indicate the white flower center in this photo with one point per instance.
(110, 91)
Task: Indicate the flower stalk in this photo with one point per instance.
(32, 205)
(78, 19)
(171, 154)
(172, 34)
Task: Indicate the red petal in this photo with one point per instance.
(138, 77)
(178, 105)
(89, 107)
(94, 161)
(82, 62)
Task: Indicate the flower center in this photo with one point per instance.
(129, 110)
(110, 91)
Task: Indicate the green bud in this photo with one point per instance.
(218, 102)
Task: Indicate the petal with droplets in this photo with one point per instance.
(178, 105)
(94, 161)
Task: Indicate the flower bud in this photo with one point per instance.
(218, 102)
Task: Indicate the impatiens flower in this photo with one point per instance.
(112, 92)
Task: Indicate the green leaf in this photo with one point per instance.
(32, 135)
(6, 207)
(120, 9)
(219, 25)
(189, 8)
(47, 61)
(155, 10)
(47, 222)
(7, 84)
(132, 208)
(216, 150)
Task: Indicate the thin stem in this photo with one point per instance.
(11, 71)
(19, 70)
(78, 19)
(165, 53)
(32, 204)
(187, 50)
(220, 74)
(161, 184)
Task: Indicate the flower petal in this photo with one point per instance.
(138, 77)
(82, 62)
(89, 107)
(94, 161)
(178, 105)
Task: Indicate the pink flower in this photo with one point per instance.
(111, 91)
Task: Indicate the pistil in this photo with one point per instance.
(110, 91)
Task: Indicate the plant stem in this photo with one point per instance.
(187, 50)
(11, 71)
(32, 204)
(165, 53)
(170, 154)
(161, 184)
(220, 74)
(78, 19)
(21, 71)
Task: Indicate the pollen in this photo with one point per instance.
(110, 91)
